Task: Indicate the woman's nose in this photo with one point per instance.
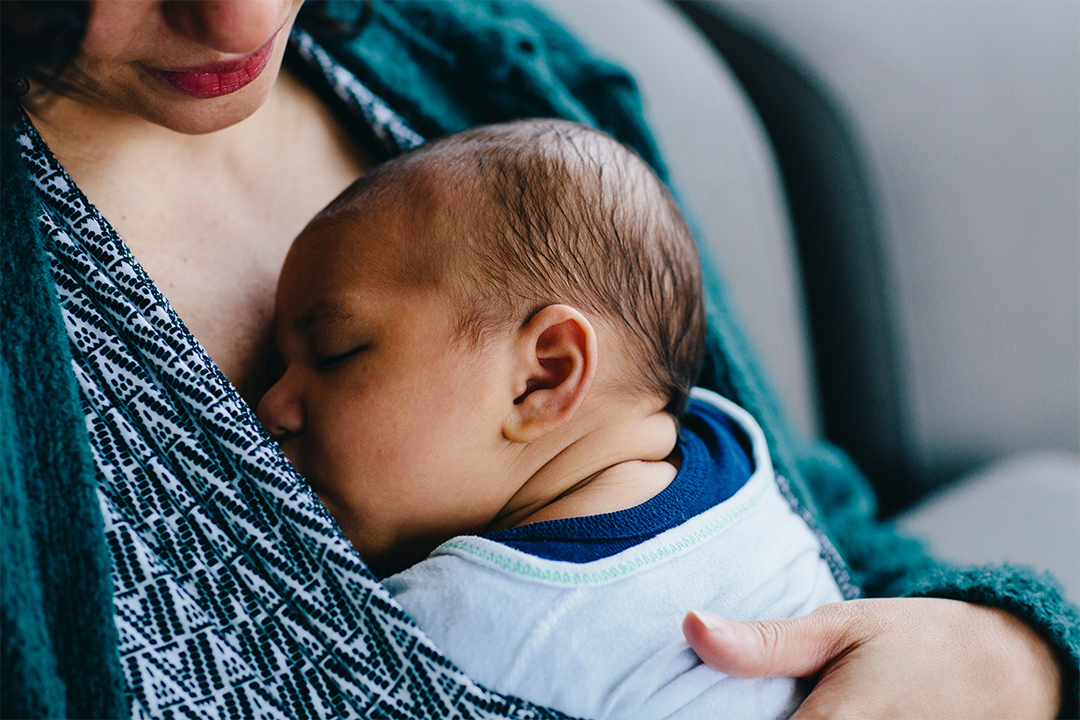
(229, 26)
(281, 412)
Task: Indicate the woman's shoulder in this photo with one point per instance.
(450, 65)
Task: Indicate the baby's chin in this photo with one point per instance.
(401, 556)
(384, 563)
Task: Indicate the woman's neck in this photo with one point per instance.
(210, 217)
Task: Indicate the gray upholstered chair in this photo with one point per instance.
(892, 192)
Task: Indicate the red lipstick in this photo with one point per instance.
(217, 79)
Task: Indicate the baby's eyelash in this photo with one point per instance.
(333, 360)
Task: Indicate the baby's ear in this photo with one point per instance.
(555, 354)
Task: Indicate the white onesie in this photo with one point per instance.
(603, 639)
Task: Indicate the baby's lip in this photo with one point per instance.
(309, 475)
(219, 78)
(289, 451)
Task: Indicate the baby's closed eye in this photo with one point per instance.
(326, 363)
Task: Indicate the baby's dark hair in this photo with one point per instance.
(550, 211)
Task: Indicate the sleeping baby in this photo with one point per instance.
(487, 350)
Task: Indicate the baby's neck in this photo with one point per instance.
(613, 466)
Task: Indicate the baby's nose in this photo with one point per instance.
(281, 412)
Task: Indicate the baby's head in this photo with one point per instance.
(450, 313)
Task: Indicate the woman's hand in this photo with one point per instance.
(893, 658)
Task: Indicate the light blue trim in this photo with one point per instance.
(625, 563)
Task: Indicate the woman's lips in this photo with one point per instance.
(210, 81)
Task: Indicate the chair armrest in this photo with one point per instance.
(1021, 510)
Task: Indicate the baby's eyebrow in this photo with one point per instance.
(324, 311)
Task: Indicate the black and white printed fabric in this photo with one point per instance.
(236, 595)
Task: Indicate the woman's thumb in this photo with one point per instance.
(795, 647)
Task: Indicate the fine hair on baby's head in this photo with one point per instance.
(531, 213)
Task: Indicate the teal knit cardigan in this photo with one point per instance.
(444, 66)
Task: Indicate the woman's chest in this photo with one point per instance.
(213, 232)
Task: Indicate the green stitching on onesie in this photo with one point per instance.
(605, 575)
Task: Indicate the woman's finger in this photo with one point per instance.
(795, 647)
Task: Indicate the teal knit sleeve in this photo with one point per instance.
(59, 642)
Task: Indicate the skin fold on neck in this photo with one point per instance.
(611, 466)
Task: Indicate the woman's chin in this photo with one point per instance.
(199, 116)
(203, 122)
(148, 100)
